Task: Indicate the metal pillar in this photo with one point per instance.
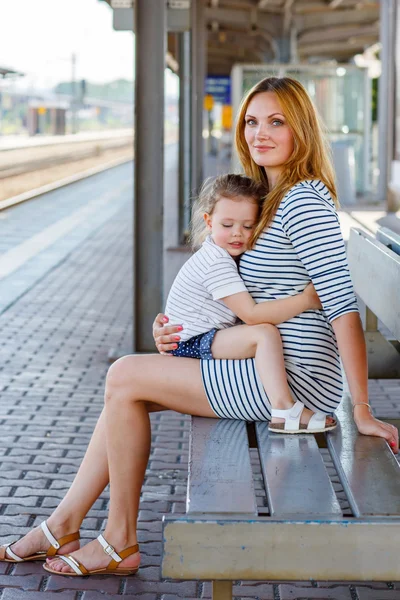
(73, 93)
(150, 28)
(198, 60)
(386, 96)
(184, 134)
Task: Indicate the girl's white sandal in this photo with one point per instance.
(316, 424)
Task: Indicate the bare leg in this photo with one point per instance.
(132, 383)
(90, 481)
(265, 344)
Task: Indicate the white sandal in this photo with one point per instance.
(316, 424)
(7, 555)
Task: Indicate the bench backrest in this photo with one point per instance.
(375, 270)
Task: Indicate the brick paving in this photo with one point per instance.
(54, 342)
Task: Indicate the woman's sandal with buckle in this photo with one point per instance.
(7, 555)
(111, 569)
(316, 424)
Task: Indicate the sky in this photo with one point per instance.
(38, 37)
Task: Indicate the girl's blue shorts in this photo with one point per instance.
(198, 346)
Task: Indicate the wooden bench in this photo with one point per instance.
(304, 534)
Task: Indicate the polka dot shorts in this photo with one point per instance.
(198, 346)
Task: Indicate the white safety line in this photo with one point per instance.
(11, 260)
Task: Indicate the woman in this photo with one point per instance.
(279, 142)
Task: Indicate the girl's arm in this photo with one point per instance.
(272, 311)
(352, 350)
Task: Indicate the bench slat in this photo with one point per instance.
(370, 261)
(220, 473)
(296, 480)
(368, 469)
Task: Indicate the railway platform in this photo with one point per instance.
(71, 304)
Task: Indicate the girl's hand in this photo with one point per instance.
(369, 425)
(165, 337)
(312, 297)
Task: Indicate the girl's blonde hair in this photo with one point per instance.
(213, 189)
(311, 157)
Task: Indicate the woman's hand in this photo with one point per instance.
(165, 337)
(312, 297)
(369, 425)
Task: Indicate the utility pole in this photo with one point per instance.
(73, 92)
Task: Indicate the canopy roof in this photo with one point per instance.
(265, 31)
(259, 31)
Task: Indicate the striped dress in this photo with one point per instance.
(303, 242)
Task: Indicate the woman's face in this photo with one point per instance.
(268, 136)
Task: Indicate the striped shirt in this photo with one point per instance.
(303, 243)
(194, 297)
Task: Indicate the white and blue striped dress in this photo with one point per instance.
(303, 242)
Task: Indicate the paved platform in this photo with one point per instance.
(54, 341)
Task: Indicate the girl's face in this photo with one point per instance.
(231, 223)
(268, 136)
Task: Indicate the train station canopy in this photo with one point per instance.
(279, 31)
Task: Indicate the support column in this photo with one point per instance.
(386, 96)
(150, 36)
(184, 134)
(198, 60)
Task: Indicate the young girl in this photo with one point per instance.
(208, 295)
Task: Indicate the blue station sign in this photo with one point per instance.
(219, 88)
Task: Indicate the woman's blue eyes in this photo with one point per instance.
(252, 121)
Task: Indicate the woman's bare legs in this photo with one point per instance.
(134, 384)
(88, 484)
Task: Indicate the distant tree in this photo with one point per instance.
(120, 90)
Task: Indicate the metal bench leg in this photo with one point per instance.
(222, 590)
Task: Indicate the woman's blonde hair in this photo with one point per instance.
(311, 157)
(213, 189)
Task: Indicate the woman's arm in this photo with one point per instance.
(314, 230)
(272, 311)
(352, 349)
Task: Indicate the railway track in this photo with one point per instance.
(27, 160)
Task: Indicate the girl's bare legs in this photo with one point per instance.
(264, 343)
(133, 384)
